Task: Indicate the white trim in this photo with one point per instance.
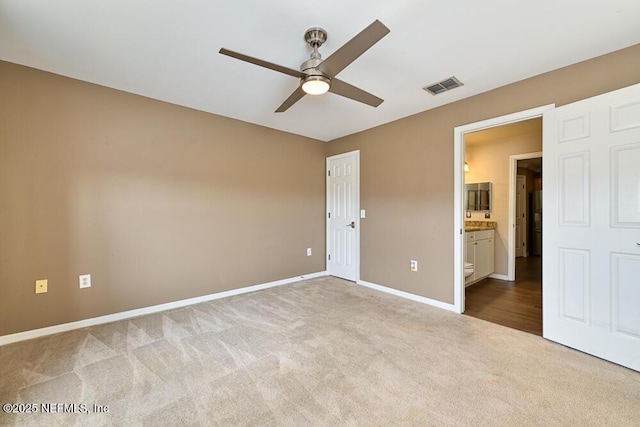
(65, 327)
(499, 276)
(458, 194)
(357, 220)
(511, 242)
(458, 222)
(407, 295)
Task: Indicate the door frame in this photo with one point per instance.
(511, 242)
(458, 187)
(326, 211)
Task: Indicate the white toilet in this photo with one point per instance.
(468, 269)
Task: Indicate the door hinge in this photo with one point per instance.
(329, 215)
(329, 257)
(329, 173)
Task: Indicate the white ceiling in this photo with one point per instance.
(168, 50)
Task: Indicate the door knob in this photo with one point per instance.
(352, 225)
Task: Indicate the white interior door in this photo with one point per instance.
(342, 215)
(591, 246)
(521, 219)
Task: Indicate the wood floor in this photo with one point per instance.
(515, 304)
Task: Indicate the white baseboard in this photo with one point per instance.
(407, 295)
(499, 276)
(50, 330)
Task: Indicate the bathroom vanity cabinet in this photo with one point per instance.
(479, 251)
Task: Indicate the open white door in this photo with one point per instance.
(591, 244)
(521, 216)
(343, 173)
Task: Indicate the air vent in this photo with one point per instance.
(443, 86)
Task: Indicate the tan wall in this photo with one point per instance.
(407, 171)
(157, 202)
(490, 162)
(161, 203)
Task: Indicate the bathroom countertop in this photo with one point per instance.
(473, 228)
(479, 225)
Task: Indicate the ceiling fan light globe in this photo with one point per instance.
(316, 85)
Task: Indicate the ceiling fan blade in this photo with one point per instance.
(261, 63)
(292, 99)
(355, 47)
(348, 91)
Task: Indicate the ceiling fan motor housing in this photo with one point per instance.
(309, 67)
(314, 82)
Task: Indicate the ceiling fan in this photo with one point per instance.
(318, 76)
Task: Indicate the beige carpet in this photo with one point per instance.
(320, 352)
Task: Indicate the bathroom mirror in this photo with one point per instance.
(478, 196)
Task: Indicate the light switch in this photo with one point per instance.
(362, 213)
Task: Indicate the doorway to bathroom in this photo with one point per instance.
(517, 301)
(507, 156)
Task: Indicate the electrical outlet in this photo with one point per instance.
(85, 281)
(487, 214)
(308, 251)
(468, 214)
(41, 286)
(413, 266)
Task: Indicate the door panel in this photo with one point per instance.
(342, 182)
(626, 293)
(574, 284)
(575, 126)
(625, 192)
(521, 219)
(591, 197)
(574, 189)
(625, 115)
(483, 258)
